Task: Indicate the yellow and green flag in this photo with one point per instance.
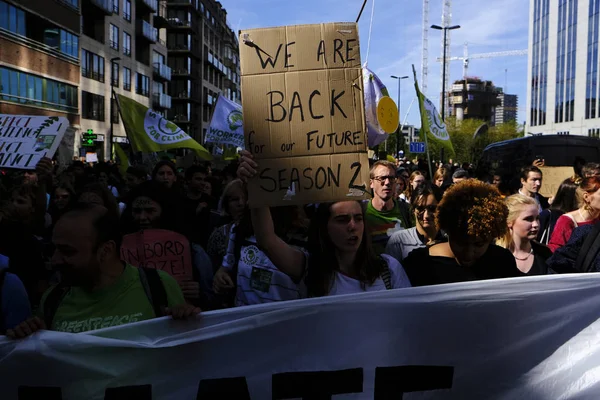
(150, 132)
(123, 159)
(432, 124)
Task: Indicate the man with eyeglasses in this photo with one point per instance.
(385, 215)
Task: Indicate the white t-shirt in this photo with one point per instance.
(258, 279)
(345, 285)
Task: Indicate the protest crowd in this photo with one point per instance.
(85, 247)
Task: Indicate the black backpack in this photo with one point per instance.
(151, 282)
(588, 253)
(2, 276)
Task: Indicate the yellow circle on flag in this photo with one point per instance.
(387, 114)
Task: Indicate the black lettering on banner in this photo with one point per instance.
(39, 392)
(288, 55)
(393, 382)
(287, 146)
(226, 388)
(349, 49)
(269, 60)
(321, 51)
(310, 105)
(319, 170)
(168, 247)
(334, 103)
(308, 178)
(295, 178)
(296, 103)
(142, 392)
(337, 47)
(352, 185)
(278, 104)
(252, 147)
(282, 178)
(316, 385)
(264, 174)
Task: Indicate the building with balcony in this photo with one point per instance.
(508, 108)
(122, 50)
(474, 98)
(40, 63)
(204, 59)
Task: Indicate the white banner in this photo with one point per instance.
(226, 125)
(25, 139)
(525, 338)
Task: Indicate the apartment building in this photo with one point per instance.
(123, 49)
(203, 53)
(39, 61)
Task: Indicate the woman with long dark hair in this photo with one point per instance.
(339, 259)
(564, 201)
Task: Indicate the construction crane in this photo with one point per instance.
(466, 57)
(425, 49)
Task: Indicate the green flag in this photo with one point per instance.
(123, 159)
(150, 132)
(433, 128)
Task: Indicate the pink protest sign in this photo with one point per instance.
(159, 249)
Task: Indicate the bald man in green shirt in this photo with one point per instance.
(97, 289)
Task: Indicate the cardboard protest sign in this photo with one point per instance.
(552, 178)
(159, 249)
(25, 139)
(304, 118)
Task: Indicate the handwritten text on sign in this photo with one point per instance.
(25, 139)
(304, 113)
(159, 249)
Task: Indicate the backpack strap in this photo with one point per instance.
(53, 300)
(385, 274)
(154, 289)
(589, 250)
(2, 276)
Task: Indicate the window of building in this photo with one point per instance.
(12, 18)
(69, 44)
(115, 74)
(126, 44)
(92, 106)
(115, 5)
(202, 7)
(142, 85)
(92, 65)
(72, 3)
(126, 78)
(114, 37)
(127, 10)
(158, 58)
(24, 88)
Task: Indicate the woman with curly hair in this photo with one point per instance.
(473, 215)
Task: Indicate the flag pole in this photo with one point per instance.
(419, 95)
(131, 152)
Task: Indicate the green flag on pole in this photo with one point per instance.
(433, 128)
(150, 132)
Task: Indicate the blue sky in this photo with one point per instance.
(396, 38)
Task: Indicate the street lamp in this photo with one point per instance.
(445, 29)
(399, 131)
(112, 111)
